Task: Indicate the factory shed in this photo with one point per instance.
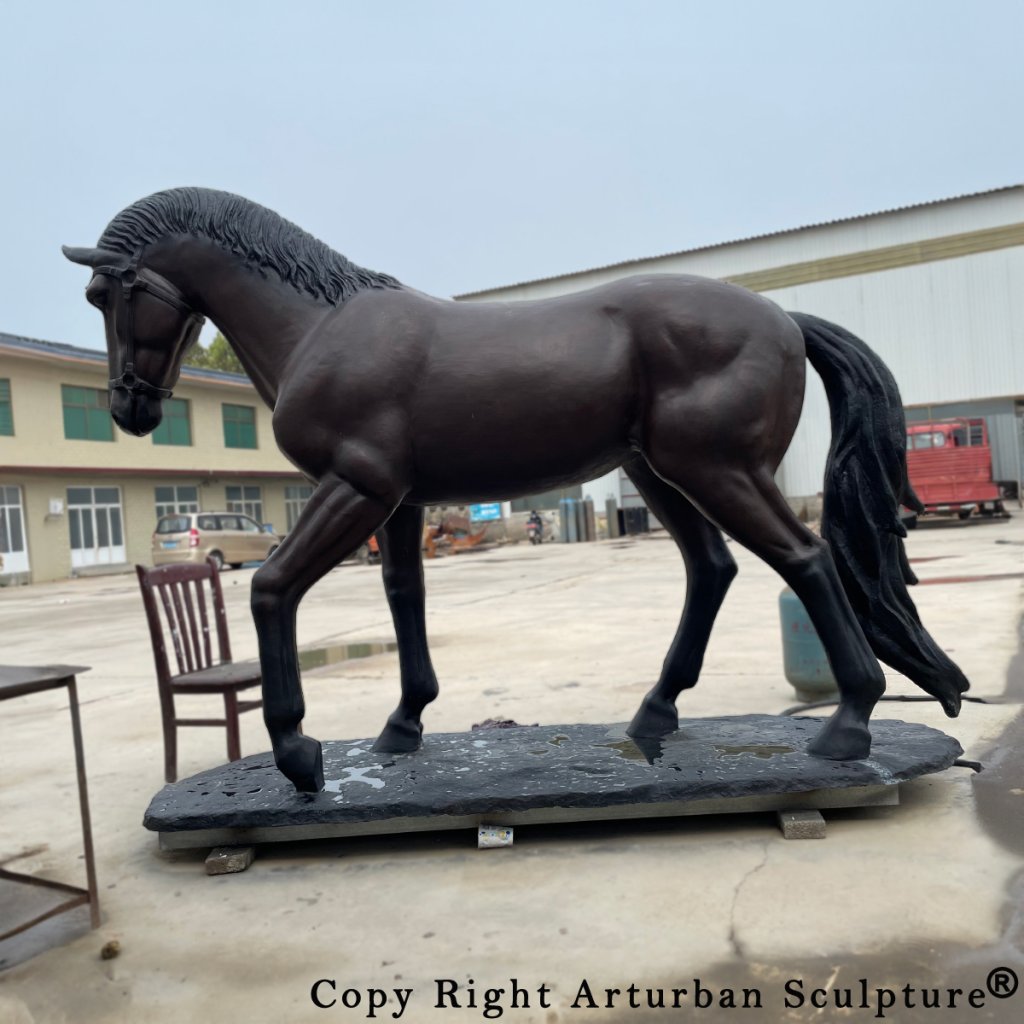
(937, 289)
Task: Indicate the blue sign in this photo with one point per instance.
(485, 513)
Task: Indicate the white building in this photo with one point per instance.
(937, 289)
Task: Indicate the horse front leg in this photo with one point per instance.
(401, 546)
(336, 520)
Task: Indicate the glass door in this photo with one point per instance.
(95, 521)
(13, 546)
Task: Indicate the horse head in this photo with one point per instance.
(149, 328)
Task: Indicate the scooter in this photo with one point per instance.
(535, 531)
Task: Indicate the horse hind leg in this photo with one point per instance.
(401, 542)
(709, 571)
(748, 506)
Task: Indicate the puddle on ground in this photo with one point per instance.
(506, 558)
(756, 749)
(972, 579)
(922, 982)
(997, 789)
(317, 657)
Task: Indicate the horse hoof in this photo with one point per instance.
(302, 763)
(402, 737)
(655, 718)
(841, 740)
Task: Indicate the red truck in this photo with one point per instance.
(949, 463)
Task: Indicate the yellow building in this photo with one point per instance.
(78, 496)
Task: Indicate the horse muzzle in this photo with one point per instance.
(135, 412)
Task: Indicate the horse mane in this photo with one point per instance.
(264, 239)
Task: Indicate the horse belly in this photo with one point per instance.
(460, 482)
(558, 413)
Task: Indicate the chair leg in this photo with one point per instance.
(170, 751)
(231, 720)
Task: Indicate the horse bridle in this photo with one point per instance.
(133, 279)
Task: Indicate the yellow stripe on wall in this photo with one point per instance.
(872, 260)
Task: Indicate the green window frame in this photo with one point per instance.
(176, 426)
(86, 414)
(6, 412)
(239, 426)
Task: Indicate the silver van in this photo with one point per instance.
(226, 537)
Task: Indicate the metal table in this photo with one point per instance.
(21, 681)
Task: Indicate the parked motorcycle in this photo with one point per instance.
(535, 529)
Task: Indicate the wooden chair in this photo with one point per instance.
(181, 591)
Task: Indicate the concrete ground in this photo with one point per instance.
(926, 894)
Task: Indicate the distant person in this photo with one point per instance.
(535, 527)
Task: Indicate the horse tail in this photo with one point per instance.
(865, 484)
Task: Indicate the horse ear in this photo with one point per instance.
(89, 257)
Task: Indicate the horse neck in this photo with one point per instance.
(262, 317)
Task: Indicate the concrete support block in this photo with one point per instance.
(801, 824)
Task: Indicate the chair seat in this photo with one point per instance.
(233, 675)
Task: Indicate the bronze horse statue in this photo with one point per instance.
(693, 385)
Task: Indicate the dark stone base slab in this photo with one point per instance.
(545, 773)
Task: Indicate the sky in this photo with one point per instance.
(465, 145)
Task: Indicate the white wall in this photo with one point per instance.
(603, 488)
(874, 231)
(950, 330)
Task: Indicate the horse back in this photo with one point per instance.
(474, 400)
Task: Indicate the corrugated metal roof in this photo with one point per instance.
(737, 241)
(60, 350)
(55, 348)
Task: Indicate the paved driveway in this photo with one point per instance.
(922, 894)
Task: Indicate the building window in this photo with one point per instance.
(295, 498)
(6, 415)
(246, 500)
(86, 414)
(239, 426)
(170, 500)
(175, 427)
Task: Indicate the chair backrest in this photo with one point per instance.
(180, 593)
